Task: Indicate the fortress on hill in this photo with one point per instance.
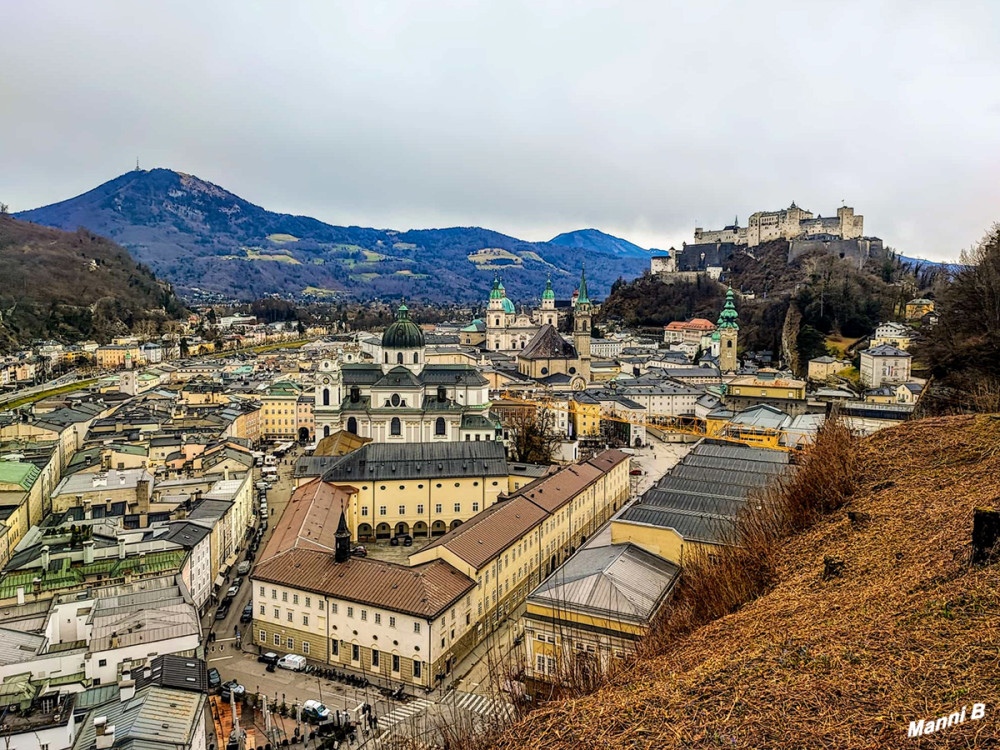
(842, 234)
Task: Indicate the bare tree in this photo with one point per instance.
(533, 437)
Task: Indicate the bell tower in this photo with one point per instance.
(342, 540)
(547, 312)
(729, 332)
(581, 325)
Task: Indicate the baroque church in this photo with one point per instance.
(402, 399)
(510, 331)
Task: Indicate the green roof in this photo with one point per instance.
(497, 292)
(582, 298)
(548, 293)
(20, 473)
(728, 316)
(403, 333)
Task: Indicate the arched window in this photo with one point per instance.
(394, 427)
(326, 397)
(399, 358)
(498, 321)
(385, 357)
(352, 426)
(326, 430)
(416, 358)
(729, 344)
(439, 426)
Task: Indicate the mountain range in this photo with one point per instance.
(212, 244)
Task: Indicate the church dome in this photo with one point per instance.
(507, 305)
(403, 333)
(548, 293)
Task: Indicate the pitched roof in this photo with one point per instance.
(380, 461)
(310, 518)
(421, 590)
(547, 344)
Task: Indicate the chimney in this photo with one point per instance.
(88, 511)
(104, 735)
(142, 494)
(20, 595)
(121, 548)
(88, 552)
(126, 687)
(147, 672)
(45, 557)
(36, 586)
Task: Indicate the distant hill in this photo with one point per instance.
(598, 241)
(209, 242)
(72, 285)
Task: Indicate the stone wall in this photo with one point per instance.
(857, 250)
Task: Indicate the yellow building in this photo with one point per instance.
(279, 412)
(917, 308)
(421, 489)
(766, 383)
(117, 356)
(586, 415)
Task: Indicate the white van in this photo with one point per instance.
(294, 662)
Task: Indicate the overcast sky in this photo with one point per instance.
(642, 119)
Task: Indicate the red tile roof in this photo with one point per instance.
(310, 518)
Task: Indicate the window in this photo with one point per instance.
(395, 662)
(364, 510)
(333, 608)
(458, 507)
(394, 400)
(335, 648)
(394, 427)
(308, 601)
(290, 643)
(262, 609)
(402, 510)
(295, 598)
(355, 652)
(475, 507)
(305, 647)
(439, 426)
(437, 507)
(289, 616)
(399, 358)
(364, 615)
(381, 510)
(277, 613)
(263, 636)
(350, 611)
(102, 663)
(284, 596)
(277, 639)
(378, 618)
(374, 658)
(416, 669)
(420, 509)
(261, 592)
(274, 594)
(416, 627)
(305, 619)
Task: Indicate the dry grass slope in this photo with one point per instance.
(909, 630)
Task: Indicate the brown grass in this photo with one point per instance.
(909, 630)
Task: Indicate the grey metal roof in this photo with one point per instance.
(619, 581)
(702, 527)
(721, 506)
(732, 450)
(157, 717)
(391, 461)
(738, 464)
(677, 484)
(721, 476)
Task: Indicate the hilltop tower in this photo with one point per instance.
(581, 325)
(728, 335)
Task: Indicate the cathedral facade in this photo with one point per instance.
(508, 330)
(402, 399)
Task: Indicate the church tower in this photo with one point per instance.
(328, 398)
(548, 309)
(342, 541)
(728, 331)
(499, 316)
(581, 325)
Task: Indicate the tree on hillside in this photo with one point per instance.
(963, 349)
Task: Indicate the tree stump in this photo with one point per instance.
(832, 567)
(985, 535)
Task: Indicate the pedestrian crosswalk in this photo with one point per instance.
(404, 712)
(483, 705)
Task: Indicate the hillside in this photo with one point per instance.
(208, 241)
(72, 285)
(598, 241)
(908, 631)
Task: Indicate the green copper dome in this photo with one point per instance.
(497, 292)
(548, 293)
(403, 333)
(728, 316)
(507, 305)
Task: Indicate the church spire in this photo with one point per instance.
(548, 293)
(582, 297)
(729, 316)
(342, 540)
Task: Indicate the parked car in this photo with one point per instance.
(222, 611)
(268, 658)
(243, 568)
(233, 690)
(359, 551)
(315, 712)
(636, 472)
(293, 662)
(233, 591)
(247, 615)
(214, 680)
